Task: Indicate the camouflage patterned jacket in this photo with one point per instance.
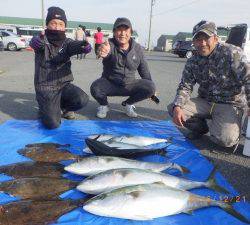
(221, 76)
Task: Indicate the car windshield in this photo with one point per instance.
(237, 35)
(10, 33)
(186, 43)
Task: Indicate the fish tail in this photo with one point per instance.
(183, 169)
(211, 183)
(230, 210)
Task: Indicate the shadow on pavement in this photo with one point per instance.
(117, 112)
(23, 106)
(18, 105)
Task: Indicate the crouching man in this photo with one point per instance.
(122, 57)
(55, 94)
(223, 75)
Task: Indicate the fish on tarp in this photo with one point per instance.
(47, 145)
(127, 139)
(33, 169)
(47, 154)
(37, 187)
(100, 148)
(117, 178)
(149, 201)
(35, 212)
(95, 164)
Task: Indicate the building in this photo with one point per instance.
(32, 26)
(164, 43)
(185, 36)
(182, 36)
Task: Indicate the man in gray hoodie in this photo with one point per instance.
(122, 57)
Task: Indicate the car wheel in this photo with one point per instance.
(11, 46)
(181, 55)
(189, 54)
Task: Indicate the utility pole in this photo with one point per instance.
(43, 22)
(150, 23)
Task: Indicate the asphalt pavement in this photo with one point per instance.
(17, 101)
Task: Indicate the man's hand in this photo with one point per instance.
(37, 43)
(104, 49)
(178, 117)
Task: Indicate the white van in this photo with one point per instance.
(29, 32)
(239, 35)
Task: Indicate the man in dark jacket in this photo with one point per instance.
(55, 93)
(122, 57)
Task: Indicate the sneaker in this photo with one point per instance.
(69, 115)
(102, 111)
(130, 110)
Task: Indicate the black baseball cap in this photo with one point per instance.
(122, 21)
(206, 27)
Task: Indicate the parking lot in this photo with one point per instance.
(17, 101)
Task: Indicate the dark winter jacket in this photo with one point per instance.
(52, 63)
(120, 67)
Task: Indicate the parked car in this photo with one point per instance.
(1, 44)
(11, 41)
(239, 35)
(183, 49)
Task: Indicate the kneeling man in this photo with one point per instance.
(223, 75)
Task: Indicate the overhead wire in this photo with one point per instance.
(176, 8)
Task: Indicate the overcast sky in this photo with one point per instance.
(170, 16)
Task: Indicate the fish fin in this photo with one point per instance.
(159, 182)
(87, 150)
(189, 212)
(78, 158)
(170, 139)
(96, 138)
(228, 207)
(184, 169)
(162, 152)
(211, 183)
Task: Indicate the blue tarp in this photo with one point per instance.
(16, 134)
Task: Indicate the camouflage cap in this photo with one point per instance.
(206, 27)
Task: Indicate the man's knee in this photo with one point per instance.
(82, 101)
(226, 140)
(50, 122)
(95, 89)
(148, 88)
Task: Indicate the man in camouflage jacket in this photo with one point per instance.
(223, 75)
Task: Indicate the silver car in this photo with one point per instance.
(11, 41)
(1, 44)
